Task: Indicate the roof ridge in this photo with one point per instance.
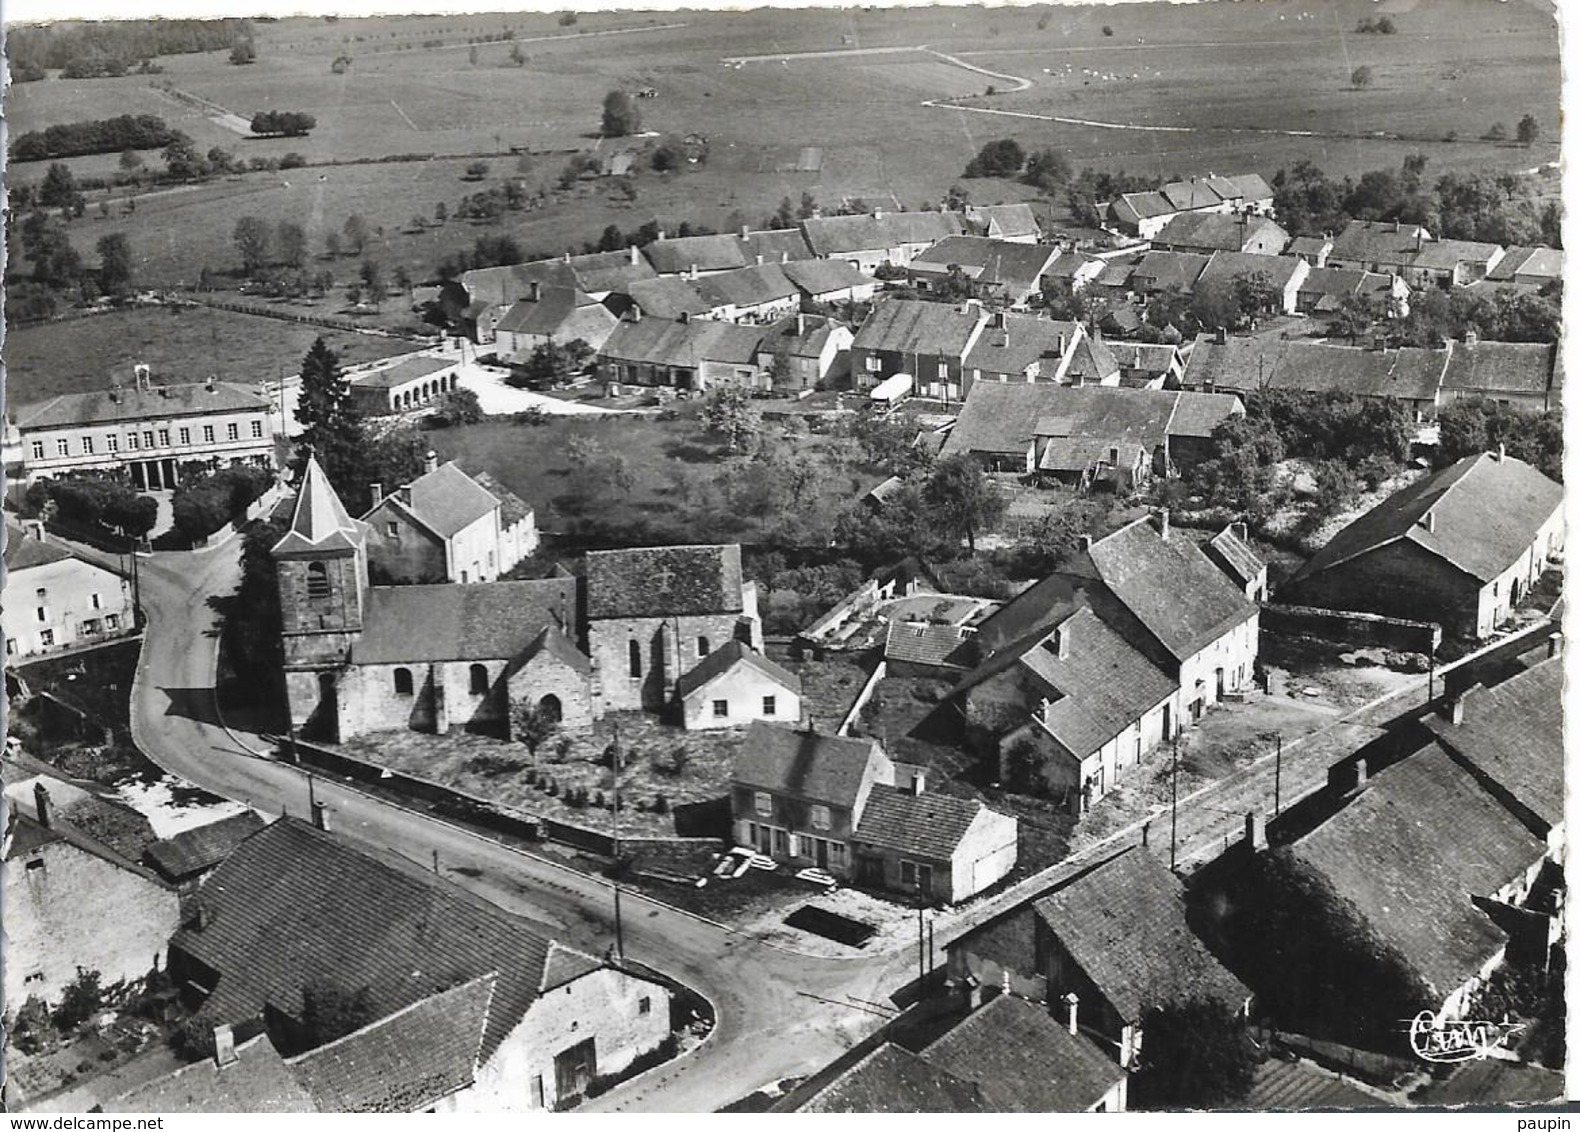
(491, 977)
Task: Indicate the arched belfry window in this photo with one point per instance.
(317, 580)
(403, 682)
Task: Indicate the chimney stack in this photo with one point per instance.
(36, 526)
(746, 231)
(1163, 523)
(1502, 452)
(46, 810)
(1360, 772)
(224, 1046)
(918, 781)
(973, 994)
(800, 325)
(320, 815)
(636, 255)
(536, 291)
(1086, 542)
(209, 384)
(141, 376)
(636, 314)
(759, 259)
(430, 461)
(1220, 335)
(1255, 831)
(377, 489)
(1061, 640)
(1555, 645)
(1454, 710)
(1072, 1003)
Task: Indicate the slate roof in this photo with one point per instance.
(1164, 270)
(1543, 263)
(941, 646)
(193, 851)
(1215, 231)
(927, 825)
(909, 326)
(775, 245)
(406, 1061)
(109, 406)
(1025, 1060)
(411, 369)
(1123, 923)
(705, 253)
(1500, 367)
(824, 276)
(667, 297)
(293, 906)
(445, 500)
(837, 235)
(23, 551)
(663, 581)
(1149, 574)
(806, 764)
(483, 621)
(686, 345)
(512, 508)
(258, 1081)
(724, 659)
(1278, 269)
(1408, 854)
(319, 521)
(1513, 732)
(1378, 241)
(1249, 364)
(1021, 341)
(892, 1079)
(746, 287)
(1485, 514)
(988, 261)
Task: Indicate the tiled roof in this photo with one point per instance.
(1196, 193)
(705, 253)
(193, 850)
(667, 297)
(927, 825)
(1278, 270)
(988, 261)
(554, 308)
(838, 235)
(941, 646)
(685, 345)
(1446, 254)
(23, 551)
(447, 500)
(1068, 264)
(1408, 854)
(319, 521)
(1251, 186)
(406, 1061)
(1092, 360)
(1148, 574)
(784, 334)
(482, 621)
(1379, 241)
(913, 327)
(410, 369)
(746, 287)
(812, 765)
(565, 965)
(1198, 414)
(107, 406)
(258, 1081)
(1485, 514)
(1164, 270)
(1495, 1082)
(1500, 367)
(512, 508)
(1083, 454)
(775, 245)
(892, 1079)
(1022, 340)
(1309, 245)
(597, 272)
(1152, 358)
(663, 581)
(1542, 263)
(1513, 732)
(1216, 231)
(294, 906)
(1117, 273)
(1123, 923)
(724, 659)
(824, 276)
(1004, 220)
(1230, 552)
(1252, 364)
(1338, 282)
(1297, 1086)
(560, 647)
(1143, 206)
(1025, 1060)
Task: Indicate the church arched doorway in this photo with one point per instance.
(550, 707)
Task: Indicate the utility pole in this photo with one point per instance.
(619, 927)
(1278, 778)
(1174, 804)
(921, 953)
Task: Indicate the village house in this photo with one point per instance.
(1075, 269)
(76, 898)
(554, 316)
(1015, 222)
(1281, 275)
(928, 341)
(1377, 245)
(410, 383)
(868, 242)
(146, 429)
(475, 302)
(1208, 232)
(1147, 365)
(1143, 215)
(692, 256)
(444, 526)
(939, 846)
(1156, 272)
(775, 245)
(1522, 375)
(55, 600)
(1527, 266)
(518, 523)
(928, 649)
(667, 298)
(520, 1022)
(1231, 550)
(1324, 290)
(734, 685)
(1461, 547)
(1003, 271)
(830, 281)
(183, 859)
(1451, 263)
(1313, 249)
(250, 1076)
(1022, 348)
(695, 354)
(888, 1078)
(814, 349)
(749, 294)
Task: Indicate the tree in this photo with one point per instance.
(1002, 158)
(532, 726)
(115, 265)
(551, 364)
(332, 244)
(373, 277)
(440, 213)
(1361, 77)
(81, 1000)
(291, 239)
(1527, 131)
(461, 407)
(330, 1011)
(1497, 132)
(1214, 303)
(356, 232)
(1197, 1055)
(131, 160)
(331, 428)
(286, 123)
(476, 171)
(471, 55)
(728, 413)
(182, 159)
(1048, 169)
(252, 238)
(621, 118)
(961, 500)
(59, 189)
(243, 53)
(808, 207)
(1355, 316)
(517, 56)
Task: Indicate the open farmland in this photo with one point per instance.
(1238, 87)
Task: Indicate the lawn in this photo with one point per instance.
(178, 343)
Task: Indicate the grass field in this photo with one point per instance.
(178, 343)
(1231, 74)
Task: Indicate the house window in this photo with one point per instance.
(41, 594)
(836, 854)
(479, 680)
(208, 434)
(820, 817)
(537, 1091)
(90, 625)
(403, 681)
(10, 646)
(46, 637)
(94, 600)
(148, 438)
(764, 803)
(164, 438)
(33, 866)
(645, 1005)
(769, 705)
(943, 371)
(257, 430)
(908, 873)
(112, 621)
(703, 648)
(131, 442)
(721, 709)
(392, 529)
(317, 581)
(38, 449)
(874, 363)
(634, 657)
(63, 447)
(43, 613)
(184, 435)
(490, 559)
(782, 843)
(87, 446)
(233, 431)
(112, 444)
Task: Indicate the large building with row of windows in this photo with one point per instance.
(55, 600)
(148, 429)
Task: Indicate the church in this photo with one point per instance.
(620, 636)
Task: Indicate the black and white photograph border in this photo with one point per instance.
(820, 559)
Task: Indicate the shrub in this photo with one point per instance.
(82, 998)
(660, 804)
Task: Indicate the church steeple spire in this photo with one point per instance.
(320, 521)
